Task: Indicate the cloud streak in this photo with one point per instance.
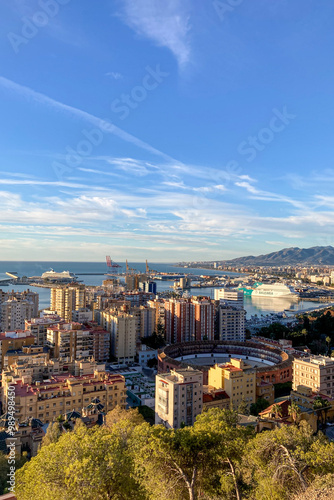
(104, 124)
(165, 23)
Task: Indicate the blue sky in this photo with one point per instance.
(178, 130)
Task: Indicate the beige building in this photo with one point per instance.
(231, 324)
(39, 367)
(12, 341)
(68, 340)
(178, 397)
(316, 372)
(38, 327)
(265, 390)
(123, 334)
(13, 313)
(66, 299)
(159, 306)
(63, 393)
(237, 379)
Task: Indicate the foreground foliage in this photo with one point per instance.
(215, 459)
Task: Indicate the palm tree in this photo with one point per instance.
(320, 404)
(294, 411)
(276, 410)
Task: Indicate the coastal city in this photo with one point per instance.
(166, 250)
(124, 344)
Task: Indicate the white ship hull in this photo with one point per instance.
(275, 291)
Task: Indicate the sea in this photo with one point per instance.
(253, 305)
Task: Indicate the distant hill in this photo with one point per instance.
(289, 256)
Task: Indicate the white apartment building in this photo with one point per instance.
(228, 297)
(14, 312)
(178, 397)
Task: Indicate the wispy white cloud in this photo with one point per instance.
(165, 23)
(35, 182)
(106, 126)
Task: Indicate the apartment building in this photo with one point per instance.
(237, 379)
(159, 306)
(66, 299)
(204, 318)
(316, 372)
(101, 345)
(230, 298)
(179, 321)
(178, 397)
(69, 340)
(39, 367)
(13, 341)
(38, 327)
(13, 313)
(63, 393)
(123, 333)
(231, 323)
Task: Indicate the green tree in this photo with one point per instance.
(243, 407)
(321, 406)
(275, 464)
(229, 443)
(294, 412)
(53, 433)
(90, 464)
(260, 405)
(277, 410)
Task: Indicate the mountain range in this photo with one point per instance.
(289, 256)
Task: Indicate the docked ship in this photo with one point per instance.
(275, 290)
(65, 276)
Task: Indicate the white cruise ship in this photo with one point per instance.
(275, 290)
(54, 276)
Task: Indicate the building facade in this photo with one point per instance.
(237, 379)
(316, 372)
(62, 393)
(66, 299)
(178, 397)
(231, 324)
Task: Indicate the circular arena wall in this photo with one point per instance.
(272, 364)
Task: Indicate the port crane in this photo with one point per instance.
(111, 264)
(131, 269)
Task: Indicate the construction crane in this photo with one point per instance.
(130, 270)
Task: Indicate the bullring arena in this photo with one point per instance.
(272, 364)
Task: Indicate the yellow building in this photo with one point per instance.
(12, 341)
(66, 299)
(63, 393)
(266, 391)
(237, 379)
